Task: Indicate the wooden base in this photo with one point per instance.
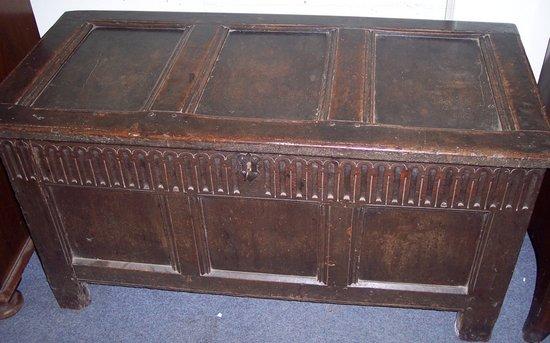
(12, 306)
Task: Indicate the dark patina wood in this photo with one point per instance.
(347, 160)
(537, 325)
(19, 34)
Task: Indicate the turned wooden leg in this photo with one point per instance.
(12, 306)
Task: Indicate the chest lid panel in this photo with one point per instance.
(111, 69)
(431, 81)
(357, 81)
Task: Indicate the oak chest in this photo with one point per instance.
(347, 160)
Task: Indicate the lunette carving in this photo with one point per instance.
(278, 176)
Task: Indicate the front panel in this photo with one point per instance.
(113, 225)
(403, 247)
(281, 238)
(260, 224)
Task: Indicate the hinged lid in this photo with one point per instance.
(404, 90)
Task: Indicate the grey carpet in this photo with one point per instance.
(119, 314)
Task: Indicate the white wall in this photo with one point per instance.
(48, 11)
(531, 16)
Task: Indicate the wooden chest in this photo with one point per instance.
(347, 160)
